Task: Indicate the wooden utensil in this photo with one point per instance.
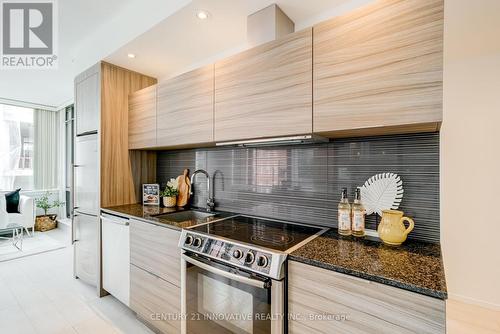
(184, 186)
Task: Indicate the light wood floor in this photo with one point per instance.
(464, 318)
(38, 294)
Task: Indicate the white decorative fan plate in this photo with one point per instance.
(382, 192)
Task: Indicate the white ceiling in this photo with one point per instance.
(183, 42)
(165, 35)
(89, 30)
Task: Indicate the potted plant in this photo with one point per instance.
(46, 221)
(170, 193)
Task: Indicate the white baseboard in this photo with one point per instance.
(473, 301)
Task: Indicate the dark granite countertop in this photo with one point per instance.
(148, 213)
(414, 266)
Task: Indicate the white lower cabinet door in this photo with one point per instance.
(116, 258)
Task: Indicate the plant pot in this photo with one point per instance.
(169, 202)
(45, 223)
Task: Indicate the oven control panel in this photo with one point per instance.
(238, 255)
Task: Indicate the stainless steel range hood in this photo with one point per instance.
(276, 141)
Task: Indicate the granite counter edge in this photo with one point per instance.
(375, 278)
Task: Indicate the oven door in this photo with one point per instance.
(220, 299)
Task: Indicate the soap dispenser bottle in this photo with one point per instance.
(358, 215)
(344, 214)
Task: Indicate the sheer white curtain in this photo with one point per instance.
(46, 150)
(10, 150)
(15, 147)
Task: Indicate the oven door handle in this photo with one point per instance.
(242, 279)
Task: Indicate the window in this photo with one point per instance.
(16, 147)
(69, 129)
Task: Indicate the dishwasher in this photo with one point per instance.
(116, 256)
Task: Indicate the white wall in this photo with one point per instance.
(53, 195)
(470, 151)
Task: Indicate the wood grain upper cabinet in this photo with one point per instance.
(186, 108)
(142, 118)
(265, 91)
(380, 66)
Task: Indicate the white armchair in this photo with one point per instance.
(26, 217)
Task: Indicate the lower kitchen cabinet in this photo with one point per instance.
(155, 273)
(324, 301)
(155, 300)
(155, 249)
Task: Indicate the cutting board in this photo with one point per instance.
(184, 186)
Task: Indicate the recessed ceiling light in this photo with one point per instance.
(202, 14)
(131, 55)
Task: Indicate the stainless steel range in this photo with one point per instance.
(234, 274)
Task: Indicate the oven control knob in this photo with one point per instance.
(262, 261)
(189, 240)
(237, 254)
(249, 258)
(197, 242)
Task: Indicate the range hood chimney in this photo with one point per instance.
(268, 24)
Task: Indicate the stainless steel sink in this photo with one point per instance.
(183, 216)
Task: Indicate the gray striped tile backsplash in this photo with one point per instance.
(302, 183)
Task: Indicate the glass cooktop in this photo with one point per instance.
(271, 234)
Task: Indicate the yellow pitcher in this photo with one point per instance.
(392, 229)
